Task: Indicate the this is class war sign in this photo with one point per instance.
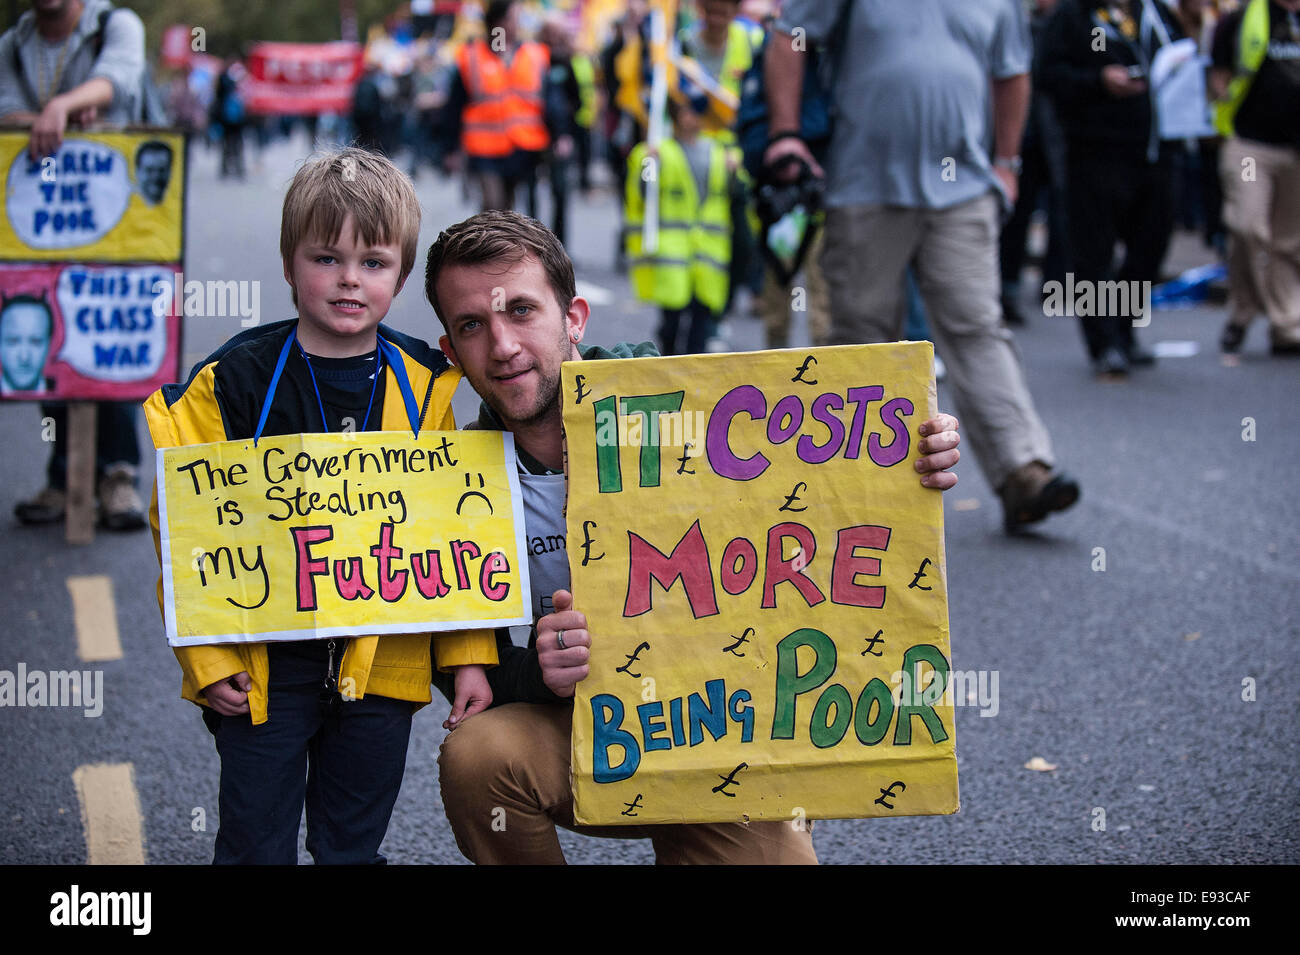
(91, 241)
(320, 535)
(763, 576)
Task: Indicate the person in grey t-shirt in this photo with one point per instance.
(70, 74)
(923, 91)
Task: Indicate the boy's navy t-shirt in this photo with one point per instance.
(345, 386)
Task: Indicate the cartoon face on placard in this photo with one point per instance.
(26, 328)
(153, 170)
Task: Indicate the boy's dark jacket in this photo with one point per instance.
(222, 400)
(518, 676)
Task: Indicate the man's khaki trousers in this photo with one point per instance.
(504, 775)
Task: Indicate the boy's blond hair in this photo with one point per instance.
(333, 184)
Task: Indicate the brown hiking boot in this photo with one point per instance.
(120, 507)
(45, 508)
(1033, 491)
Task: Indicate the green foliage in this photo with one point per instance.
(233, 25)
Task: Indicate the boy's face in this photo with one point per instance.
(508, 335)
(344, 290)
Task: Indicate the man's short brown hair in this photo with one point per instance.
(349, 180)
(494, 236)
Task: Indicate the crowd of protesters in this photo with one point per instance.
(951, 143)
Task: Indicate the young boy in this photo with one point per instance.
(687, 274)
(283, 731)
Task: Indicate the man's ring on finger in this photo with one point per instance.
(559, 639)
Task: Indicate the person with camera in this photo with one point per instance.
(909, 182)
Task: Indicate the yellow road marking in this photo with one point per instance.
(95, 615)
(110, 814)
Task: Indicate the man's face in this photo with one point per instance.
(153, 170)
(24, 345)
(508, 335)
(50, 8)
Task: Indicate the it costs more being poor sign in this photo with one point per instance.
(322, 535)
(763, 577)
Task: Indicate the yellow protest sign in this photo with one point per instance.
(102, 197)
(323, 535)
(763, 577)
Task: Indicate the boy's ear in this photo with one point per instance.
(401, 284)
(288, 274)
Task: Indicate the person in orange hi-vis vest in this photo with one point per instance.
(496, 109)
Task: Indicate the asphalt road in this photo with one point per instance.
(1130, 681)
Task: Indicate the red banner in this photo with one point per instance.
(301, 77)
(176, 46)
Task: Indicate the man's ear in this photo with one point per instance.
(445, 344)
(576, 319)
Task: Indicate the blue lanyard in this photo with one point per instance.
(388, 354)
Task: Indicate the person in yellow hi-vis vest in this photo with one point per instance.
(1256, 72)
(723, 44)
(585, 73)
(687, 273)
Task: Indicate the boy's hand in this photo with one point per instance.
(938, 445)
(229, 697)
(473, 694)
(563, 667)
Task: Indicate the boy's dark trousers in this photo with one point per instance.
(345, 758)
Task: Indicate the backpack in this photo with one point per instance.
(232, 107)
(149, 108)
(816, 108)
